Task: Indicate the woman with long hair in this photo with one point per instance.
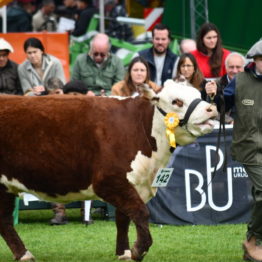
(38, 68)
(187, 69)
(210, 54)
(137, 74)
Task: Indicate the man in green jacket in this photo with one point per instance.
(245, 92)
(99, 69)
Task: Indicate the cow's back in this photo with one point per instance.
(48, 138)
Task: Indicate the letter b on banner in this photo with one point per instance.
(199, 188)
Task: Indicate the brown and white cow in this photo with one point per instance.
(64, 148)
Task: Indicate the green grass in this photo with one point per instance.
(76, 242)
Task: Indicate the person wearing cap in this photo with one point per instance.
(9, 80)
(245, 93)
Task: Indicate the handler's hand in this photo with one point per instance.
(211, 88)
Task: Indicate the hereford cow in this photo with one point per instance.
(67, 148)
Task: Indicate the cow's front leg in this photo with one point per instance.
(7, 231)
(122, 243)
(121, 194)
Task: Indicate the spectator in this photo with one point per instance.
(209, 54)
(54, 86)
(116, 29)
(99, 69)
(159, 57)
(244, 91)
(38, 68)
(9, 80)
(86, 12)
(234, 63)
(187, 46)
(68, 9)
(188, 69)
(137, 73)
(76, 87)
(20, 11)
(44, 19)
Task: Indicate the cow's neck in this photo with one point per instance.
(144, 168)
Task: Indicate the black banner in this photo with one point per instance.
(193, 197)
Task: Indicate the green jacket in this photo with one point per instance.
(97, 78)
(247, 132)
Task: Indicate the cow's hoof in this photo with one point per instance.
(126, 256)
(136, 256)
(27, 257)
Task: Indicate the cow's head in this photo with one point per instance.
(177, 97)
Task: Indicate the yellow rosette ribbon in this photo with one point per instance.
(171, 122)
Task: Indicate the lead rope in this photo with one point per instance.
(221, 127)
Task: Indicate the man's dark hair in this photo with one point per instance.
(77, 86)
(161, 27)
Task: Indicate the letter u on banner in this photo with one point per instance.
(210, 169)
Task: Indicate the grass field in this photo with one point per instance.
(76, 242)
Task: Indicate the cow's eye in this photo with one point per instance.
(177, 102)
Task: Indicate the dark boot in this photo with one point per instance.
(59, 214)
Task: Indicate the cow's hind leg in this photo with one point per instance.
(122, 242)
(126, 199)
(7, 231)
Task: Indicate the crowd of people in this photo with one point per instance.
(204, 63)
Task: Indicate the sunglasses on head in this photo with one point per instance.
(99, 54)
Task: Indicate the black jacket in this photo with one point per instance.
(18, 20)
(83, 21)
(168, 67)
(9, 80)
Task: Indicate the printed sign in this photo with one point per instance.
(162, 177)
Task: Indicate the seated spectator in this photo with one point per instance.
(99, 69)
(187, 69)
(76, 87)
(9, 80)
(210, 54)
(54, 86)
(68, 9)
(86, 12)
(161, 60)
(187, 46)
(35, 71)
(137, 74)
(117, 29)
(20, 11)
(44, 19)
(235, 63)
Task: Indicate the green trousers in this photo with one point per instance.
(255, 224)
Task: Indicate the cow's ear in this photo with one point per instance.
(145, 91)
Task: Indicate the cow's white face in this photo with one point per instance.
(176, 97)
